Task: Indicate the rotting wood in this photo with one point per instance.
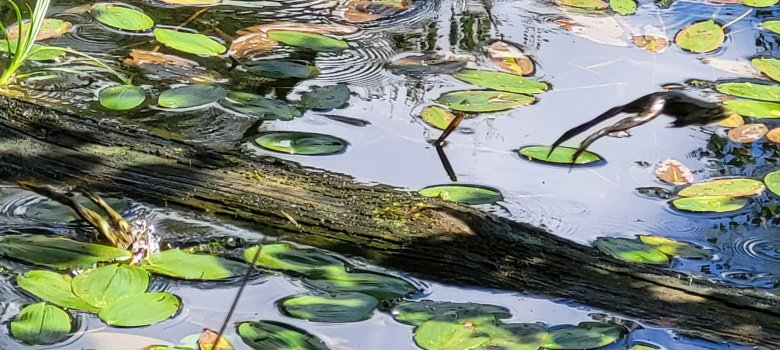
(443, 241)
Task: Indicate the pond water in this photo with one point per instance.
(587, 57)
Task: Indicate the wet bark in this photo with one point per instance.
(438, 240)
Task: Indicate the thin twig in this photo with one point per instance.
(233, 306)
(735, 20)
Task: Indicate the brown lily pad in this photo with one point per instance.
(52, 28)
(510, 58)
(673, 172)
(651, 43)
(251, 43)
(162, 66)
(748, 133)
(774, 135)
(732, 121)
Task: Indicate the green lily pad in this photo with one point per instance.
(282, 69)
(312, 41)
(188, 96)
(631, 250)
(516, 336)
(478, 101)
(301, 143)
(501, 81)
(561, 155)
(769, 66)
(585, 4)
(419, 65)
(178, 264)
(749, 90)
(772, 26)
(41, 324)
(260, 106)
(416, 312)
(760, 3)
(446, 333)
(701, 37)
(772, 181)
(194, 43)
(141, 310)
(339, 308)
(709, 204)
(54, 288)
(38, 53)
(326, 97)
(730, 187)
(437, 117)
(675, 248)
(623, 7)
(755, 109)
(57, 252)
(121, 17)
(467, 194)
(286, 257)
(269, 335)
(380, 286)
(586, 335)
(104, 285)
(122, 97)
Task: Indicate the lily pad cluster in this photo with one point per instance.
(718, 195)
(652, 250)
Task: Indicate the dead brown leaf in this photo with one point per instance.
(748, 133)
(251, 43)
(774, 135)
(162, 66)
(673, 172)
(651, 43)
(510, 58)
(208, 341)
(732, 121)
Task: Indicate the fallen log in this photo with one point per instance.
(439, 240)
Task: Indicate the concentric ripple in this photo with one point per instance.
(757, 248)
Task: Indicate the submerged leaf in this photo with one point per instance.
(631, 250)
(121, 17)
(750, 90)
(483, 100)
(188, 96)
(54, 288)
(339, 308)
(159, 66)
(41, 324)
(701, 37)
(501, 81)
(755, 109)
(748, 133)
(270, 335)
(140, 310)
(57, 252)
(326, 97)
(467, 194)
(586, 335)
(422, 64)
(380, 286)
(721, 204)
(731, 187)
(311, 41)
(194, 43)
(260, 106)
(561, 155)
(104, 285)
(316, 28)
(673, 172)
(121, 97)
(286, 257)
(301, 143)
(282, 69)
(675, 248)
(416, 312)
(250, 44)
(178, 264)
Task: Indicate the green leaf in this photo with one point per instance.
(460, 334)
(709, 204)
(561, 155)
(586, 335)
(701, 37)
(54, 288)
(282, 69)
(260, 106)
(675, 248)
(380, 286)
(105, 285)
(768, 66)
(755, 109)
(631, 250)
(140, 310)
(194, 43)
(516, 336)
(188, 96)
(311, 41)
(750, 90)
(339, 308)
(41, 324)
(585, 4)
(326, 97)
(121, 17)
(301, 143)
(50, 28)
(418, 65)
(38, 53)
(437, 117)
(178, 264)
(57, 252)
(285, 257)
(760, 3)
(483, 100)
(729, 187)
(772, 26)
(501, 81)
(772, 181)
(623, 7)
(416, 312)
(467, 194)
(122, 97)
(269, 335)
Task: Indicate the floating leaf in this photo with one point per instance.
(122, 17)
(731, 187)
(501, 81)
(709, 204)
(211, 340)
(510, 58)
(585, 4)
(755, 109)
(160, 66)
(675, 248)
(122, 97)
(768, 66)
(342, 307)
(269, 335)
(416, 312)
(140, 310)
(483, 100)
(104, 285)
(467, 194)
(748, 133)
(316, 28)
(250, 44)
(54, 288)
(363, 11)
(772, 26)
(418, 65)
(57, 252)
(38, 53)
(673, 172)
(178, 264)
(326, 97)
(311, 41)
(631, 250)
(301, 143)
(380, 286)
(51, 28)
(586, 335)
(453, 333)
(191, 2)
(561, 155)
(41, 324)
(701, 37)
(772, 181)
(437, 117)
(760, 3)
(282, 69)
(750, 90)
(732, 121)
(650, 43)
(194, 43)
(260, 106)
(188, 96)
(623, 7)
(285, 257)
(774, 135)
(517, 336)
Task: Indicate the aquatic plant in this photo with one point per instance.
(25, 42)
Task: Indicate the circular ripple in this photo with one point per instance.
(419, 12)
(757, 248)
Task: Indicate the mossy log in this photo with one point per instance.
(442, 241)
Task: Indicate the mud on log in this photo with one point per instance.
(439, 240)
